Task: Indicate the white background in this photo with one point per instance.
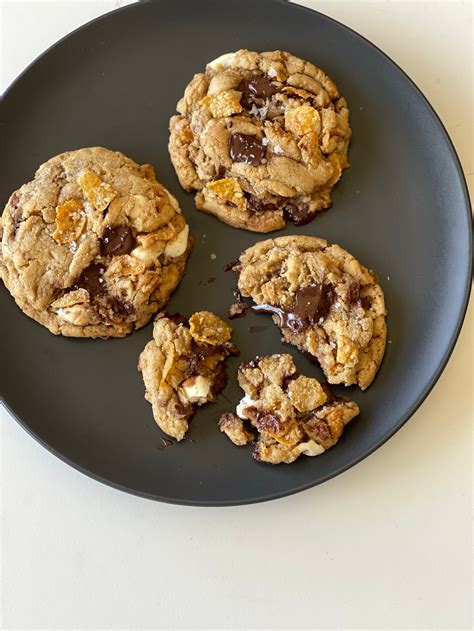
(386, 545)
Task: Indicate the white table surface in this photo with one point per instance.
(385, 545)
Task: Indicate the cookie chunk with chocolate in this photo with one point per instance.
(285, 413)
(262, 138)
(324, 301)
(93, 246)
(183, 367)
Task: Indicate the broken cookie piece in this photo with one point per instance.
(287, 414)
(183, 367)
(325, 302)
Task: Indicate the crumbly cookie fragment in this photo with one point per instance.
(262, 138)
(292, 414)
(93, 246)
(183, 367)
(325, 302)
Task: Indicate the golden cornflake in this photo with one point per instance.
(306, 394)
(229, 190)
(125, 265)
(207, 328)
(223, 103)
(70, 221)
(302, 120)
(99, 193)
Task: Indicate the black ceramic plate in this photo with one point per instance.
(401, 209)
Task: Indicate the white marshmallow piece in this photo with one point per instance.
(178, 246)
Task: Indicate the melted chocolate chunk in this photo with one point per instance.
(91, 279)
(289, 320)
(204, 350)
(255, 205)
(255, 91)
(122, 308)
(269, 422)
(311, 304)
(117, 241)
(299, 213)
(220, 381)
(354, 297)
(177, 318)
(201, 351)
(331, 397)
(252, 363)
(247, 149)
(287, 380)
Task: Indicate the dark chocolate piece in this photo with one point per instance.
(247, 149)
(299, 213)
(311, 304)
(92, 279)
(255, 91)
(117, 241)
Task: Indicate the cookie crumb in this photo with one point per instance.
(237, 310)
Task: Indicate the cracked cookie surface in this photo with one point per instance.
(287, 414)
(93, 246)
(183, 367)
(262, 138)
(324, 301)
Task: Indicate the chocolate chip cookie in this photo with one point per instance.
(324, 301)
(183, 367)
(93, 246)
(262, 138)
(292, 414)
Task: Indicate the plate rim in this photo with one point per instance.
(438, 371)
